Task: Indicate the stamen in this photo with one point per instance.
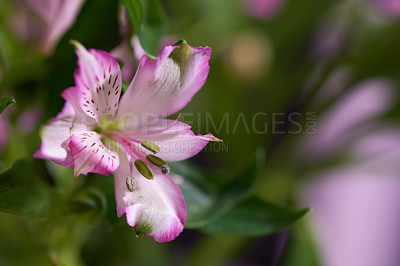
(144, 169)
(150, 146)
(130, 184)
(157, 161)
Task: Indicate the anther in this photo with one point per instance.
(144, 169)
(165, 169)
(150, 146)
(130, 184)
(157, 161)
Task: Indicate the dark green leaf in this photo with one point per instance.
(208, 200)
(254, 217)
(147, 20)
(4, 102)
(24, 193)
(88, 205)
(134, 9)
(106, 185)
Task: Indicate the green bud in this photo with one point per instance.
(150, 146)
(144, 169)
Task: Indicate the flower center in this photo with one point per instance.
(140, 152)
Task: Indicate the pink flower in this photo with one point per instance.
(131, 59)
(44, 22)
(95, 132)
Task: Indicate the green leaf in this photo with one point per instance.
(254, 217)
(125, 86)
(134, 9)
(89, 205)
(4, 102)
(205, 199)
(148, 23)
(24, 193)
(152, 27)
(106, 185)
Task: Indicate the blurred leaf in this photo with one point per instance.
(152, 28)
(24, 193)
(88, 205)
(134, 9)
(106, 185)
(302, 250)
(148, 23)
(4, 102)
(254, 217)
(125, 86)
(207, 200)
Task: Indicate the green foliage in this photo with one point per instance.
(134, 8)
(4, 102)
(147, 18)
(254, 217)
(88, 205)
(24, 193)
(231, 207)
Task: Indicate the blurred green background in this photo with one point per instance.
(242, 194)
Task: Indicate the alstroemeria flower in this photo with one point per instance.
(95, 132)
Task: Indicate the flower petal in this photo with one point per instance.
(98, 82)
(165, 86)
(176, 139)
(90, 155)
(154, 207)
(56, 136)
(60, 21)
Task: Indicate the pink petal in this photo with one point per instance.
(124, 53)
(155, 207)
(361, 104)
(90, 155)
(165, 86)
(175, 139)
(98, 82)
(55, 138)
(44, 22)
(62, 19)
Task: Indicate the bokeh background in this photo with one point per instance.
(305, 95)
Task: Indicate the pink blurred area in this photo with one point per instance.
(263, 9)
(4, 132)
(29, 119)
(388, 7)
(42, 23)
(355, 217)
(348, 117)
